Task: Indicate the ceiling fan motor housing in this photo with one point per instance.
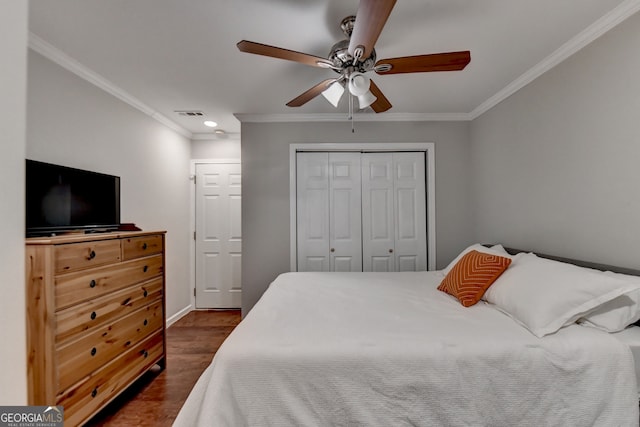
(343, 60)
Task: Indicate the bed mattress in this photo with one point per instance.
(382, 349)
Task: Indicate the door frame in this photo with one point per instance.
(427, 147)
(192, 222)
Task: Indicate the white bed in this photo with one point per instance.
(389, 349)
(631, 338)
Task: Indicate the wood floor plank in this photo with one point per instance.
(156, 398)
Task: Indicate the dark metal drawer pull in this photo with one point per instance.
(144, 246)
(93, 315)
(146, 322)
(145, 268)
(92, 254)
(94, 351)
(145, 293)
(94, 393)
(92, 284)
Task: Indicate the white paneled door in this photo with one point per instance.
(218, 235)
(394, 212)
(361, 211)
(328, 212)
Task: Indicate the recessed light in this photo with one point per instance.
(210, 123)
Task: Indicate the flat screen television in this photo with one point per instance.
(60, 199)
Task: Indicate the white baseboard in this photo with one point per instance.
(179, 315)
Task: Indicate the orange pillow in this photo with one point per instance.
(469, 279)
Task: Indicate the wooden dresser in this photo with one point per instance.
(95, 317)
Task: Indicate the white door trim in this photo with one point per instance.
(427, 147)
(192, 221)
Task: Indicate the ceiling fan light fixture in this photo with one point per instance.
(358, 84)
(366, 99)
(333, 93)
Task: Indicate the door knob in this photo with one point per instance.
(333, 249)
(390, 251)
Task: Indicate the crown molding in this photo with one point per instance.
(361, 117)
(587, 36)
(37, 44)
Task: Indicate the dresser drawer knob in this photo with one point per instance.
(145, 268)
(145, 353)
(145, 293)
(92, 254)
(93, 315)
(94, 351)
(144, 246)
(92, 284)
(145, 322)
(94, 393)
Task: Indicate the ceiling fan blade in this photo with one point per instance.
(311, 93)
(370, 20)
(278, 52)
(382, 103)
(450, 61)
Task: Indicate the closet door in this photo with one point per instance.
(312, 194)
(410, 212)
(328, 212)
(394, 212)
(345, 229)
(378, 231)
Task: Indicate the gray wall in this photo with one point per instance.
(13, 87)
(73, 123)
(265, 188)
(216, 148)
(556, 165)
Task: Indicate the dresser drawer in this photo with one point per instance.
(82, 399)
(136, 247)
(79, 358)
(73, 288)
(77, 256)
(86, 316)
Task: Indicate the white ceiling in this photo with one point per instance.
(172, 55)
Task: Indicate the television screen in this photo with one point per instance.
(60, 198)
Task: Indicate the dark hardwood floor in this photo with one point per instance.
(156, 398)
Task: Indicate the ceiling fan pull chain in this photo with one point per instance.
(351, 110)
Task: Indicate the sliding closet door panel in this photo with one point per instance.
(410, 211)
(378, 229)
(313, 211)
(345, 229)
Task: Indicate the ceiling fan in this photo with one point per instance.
(354, 57)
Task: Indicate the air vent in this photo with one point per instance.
(190, 113)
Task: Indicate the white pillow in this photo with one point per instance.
(500, 248)
(545, 295)
(494, 250)
(620, 312)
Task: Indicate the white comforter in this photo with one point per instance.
(389, 349)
